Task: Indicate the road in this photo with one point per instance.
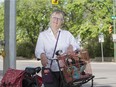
(105, 73)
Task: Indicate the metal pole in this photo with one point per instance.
(114, 26)
(10, 35)
(102, 51)
(101, 40)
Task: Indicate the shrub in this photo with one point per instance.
(25, 49)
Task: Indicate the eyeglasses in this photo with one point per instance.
(56, 18)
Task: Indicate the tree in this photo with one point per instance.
(83, 17)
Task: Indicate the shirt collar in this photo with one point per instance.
(50, 30)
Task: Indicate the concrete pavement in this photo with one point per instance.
(104, 72)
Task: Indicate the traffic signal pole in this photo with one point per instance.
(114, 27)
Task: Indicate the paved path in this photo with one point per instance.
(105, 73)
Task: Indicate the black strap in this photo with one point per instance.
(56, 44)
(55, 48)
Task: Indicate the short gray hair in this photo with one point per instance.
(59, 11)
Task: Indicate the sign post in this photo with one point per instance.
(101, 40)
(114, 27)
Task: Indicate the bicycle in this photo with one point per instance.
(32, 77)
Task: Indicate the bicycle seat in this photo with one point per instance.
(32, 71)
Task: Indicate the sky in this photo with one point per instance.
(1, 1)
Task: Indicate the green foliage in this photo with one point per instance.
(29, 19)
(87, 18)
(1, 21)
(25, 49)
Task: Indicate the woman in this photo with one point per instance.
(46, 44)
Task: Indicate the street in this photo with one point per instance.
(105, 73)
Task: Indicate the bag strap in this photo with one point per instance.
(55, 48)
(56, 44)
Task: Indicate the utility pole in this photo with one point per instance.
(10, 35)
(114, 27)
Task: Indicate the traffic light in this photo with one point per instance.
(110, 29)
(54, 1)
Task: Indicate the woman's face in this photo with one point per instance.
(56, 20)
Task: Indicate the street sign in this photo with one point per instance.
(101, 38)
(113, 17)
(114, 37)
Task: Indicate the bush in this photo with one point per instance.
(25, 49)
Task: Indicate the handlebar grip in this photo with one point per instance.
(59, 52)
(38, 59)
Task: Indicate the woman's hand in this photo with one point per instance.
(44, 60)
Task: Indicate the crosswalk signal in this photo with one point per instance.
(54, 1)
(110, 29)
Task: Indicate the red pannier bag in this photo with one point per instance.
(12, 78)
